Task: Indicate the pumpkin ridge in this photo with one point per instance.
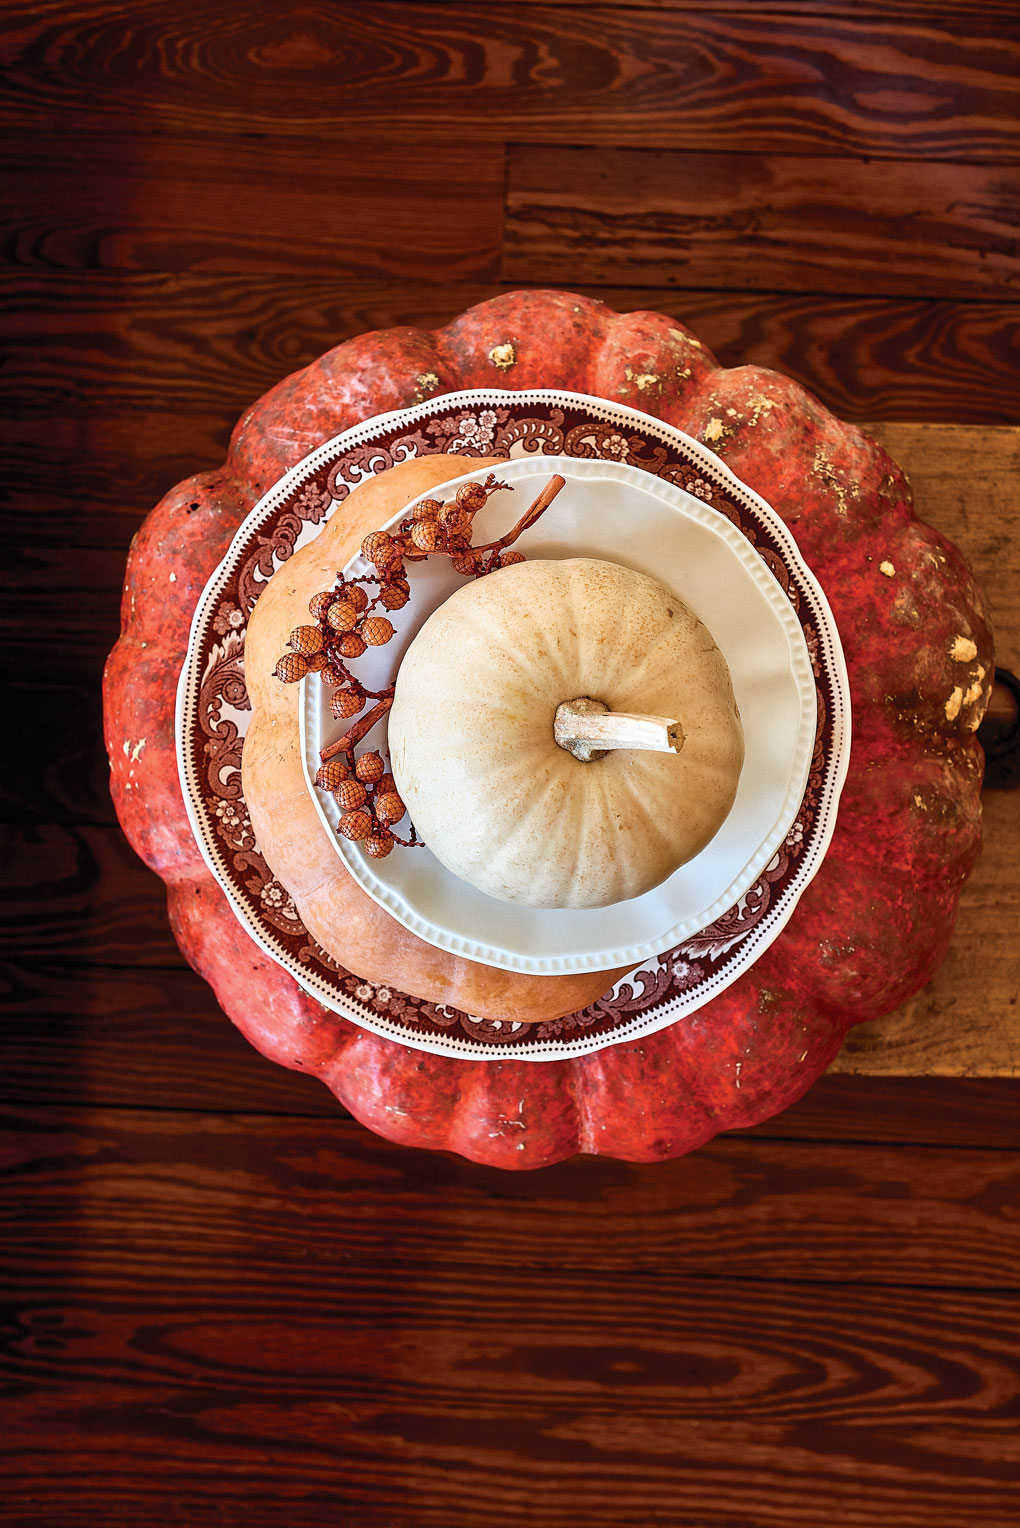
(504, 342)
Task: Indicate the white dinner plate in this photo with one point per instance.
(617, 513)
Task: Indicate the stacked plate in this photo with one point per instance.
(637, 492)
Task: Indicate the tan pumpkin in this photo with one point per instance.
(488, 727)
(337, 913)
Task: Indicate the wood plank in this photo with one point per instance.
(211, 1313)
(155, 1038)
(295, 205)
(739, 222)
(917, 1110)
(38, 579)
(915, 10)
(82, 895)
(53, 765)
(204, 1190)
(90, 475)
(866, 359)
(143, 1038)
(233, 1449)
(227, 1408)
(913, 88)
(210, 344)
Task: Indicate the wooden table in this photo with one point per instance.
(221, 1301)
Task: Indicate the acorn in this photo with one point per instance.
(342, 615)
(378, 844)
(291, 668)
(471, 497)
(377, 630)
(306, 640)
(331, 774)
(345, 703)
(426, 509)
(320, 603)
(355, 825)
(394, 596)
(425, 535)
(388, 806)
(369, 767)
(350, 794)
(351, 645)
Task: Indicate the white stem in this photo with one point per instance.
(589, 730)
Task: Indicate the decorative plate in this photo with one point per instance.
(213, 707)
(701, 556)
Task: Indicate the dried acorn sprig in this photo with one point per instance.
(347, 623)
(368, 800)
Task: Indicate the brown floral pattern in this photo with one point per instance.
(492, 425)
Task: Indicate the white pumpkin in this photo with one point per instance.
(472, 734)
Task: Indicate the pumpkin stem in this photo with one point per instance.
(588, 729)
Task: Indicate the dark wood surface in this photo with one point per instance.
(222, 1301)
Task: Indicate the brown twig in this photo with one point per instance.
(528, 519)
(350, 739)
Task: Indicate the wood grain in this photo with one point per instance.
(214, 1316)
(769, 223)
(237, 1448)
(916, 1110)
(145, 1037)
(38, 578)
(91, 474)
(121, 202)
(217, 1189)
(222, 1301)
(734, 82)
(82, 894)
(53, 766)
(913, 10)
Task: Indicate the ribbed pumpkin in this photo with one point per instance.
(472, 734)
(871, 927)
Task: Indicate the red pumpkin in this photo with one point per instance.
(870, 928)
